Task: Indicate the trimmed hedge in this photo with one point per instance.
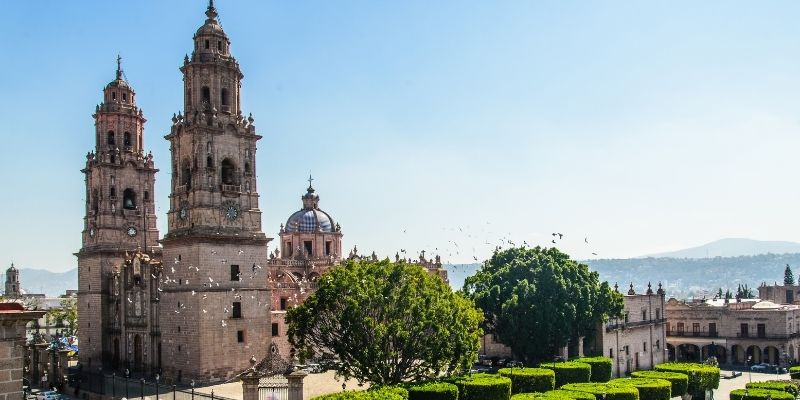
(649, 388)
(601, 367)
(483, 387)
(794, 372)
(782, 386)
(701, 377)
(529, 380)
(384, 393)
(680, 382)
(554, 395)
(433, 391)
(604, 391)
(760, 394)
(570, 372)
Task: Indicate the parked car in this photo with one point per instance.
(48, 395)
(763, 367)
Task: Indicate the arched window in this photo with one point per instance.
(206, 95)
(113, 95)
(124, 96)
(209, 162)
(186, 175)
(228, 172)
(146, 196)
(126, 139)
(95, 201)
(129, 199)
(110, 138)
(208, 147)
(224, 97)
(247, 168)
(207, 44)
(112, 192)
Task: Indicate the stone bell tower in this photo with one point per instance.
(120, 212)
(216, 306)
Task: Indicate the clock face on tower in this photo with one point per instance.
(231, 212)
(131, 231)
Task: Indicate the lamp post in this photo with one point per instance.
(141, 388)
(113, 386)
(157, 386)
(749, 368)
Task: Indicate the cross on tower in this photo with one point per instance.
(310, 179)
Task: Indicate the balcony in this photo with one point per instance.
(232, 188)
(623, 325)
(713, 334)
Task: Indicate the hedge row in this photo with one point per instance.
(701, 377)
(554, 395)
(385, 393)
(601, 367)
(483, 387)
(433, 391)
(782, 386)
(605, 391)
(794, 372)
(759, 394)
(570, 372)
(680, 382)
(649, 388)
(529, 380)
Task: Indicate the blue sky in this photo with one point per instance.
(449, 125)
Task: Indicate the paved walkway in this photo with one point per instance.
(726, 385)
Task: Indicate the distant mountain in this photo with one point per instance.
(733, 247)
(43, 281)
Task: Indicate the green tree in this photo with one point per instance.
(744, 292)
(536, 300)
(788, 276)
(67, 313)
(719, 293)
(388, 323)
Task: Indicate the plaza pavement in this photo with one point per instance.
(727, 385)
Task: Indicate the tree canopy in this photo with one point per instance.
(387, 322)
(788, 276)
(67, 313)
(537, 299)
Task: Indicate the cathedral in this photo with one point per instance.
(201, 302)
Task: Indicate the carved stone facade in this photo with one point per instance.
(120, 215)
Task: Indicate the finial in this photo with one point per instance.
(616, 287)
(119, 66)
(310, 179)
(631, 292)
(211, 12)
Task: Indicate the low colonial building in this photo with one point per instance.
(734, 331)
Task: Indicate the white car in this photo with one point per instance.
(48, 395)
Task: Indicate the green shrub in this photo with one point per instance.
(680, 382)
(529, 380)
(649, 388)
(483, 387)
(433, 391)
(783, 386)
(604, 391)
(794, 372)
(554, 395)
(701, 377)
(384, 393)
(570, 372)
(601, 367)
(759, 394)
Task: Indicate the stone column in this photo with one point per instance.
(63, 364)
(580, 346)
(296, 384)
(250, 384)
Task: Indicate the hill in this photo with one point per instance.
(733, 247)
(50, 283)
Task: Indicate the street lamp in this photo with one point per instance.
(749, 368)
(157, 386)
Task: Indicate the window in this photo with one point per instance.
(206, 95)
(658, 344)
(126, 139)
(761, 330)
(288, 249)
(207, 44)
(228, 170)
(680, 328)
(219, 45)
(129, 199)
(186, 175)
(112, 191)
(240, 336)
(644, 315)
(611, 352)
(124, 96)
(224, 97)
(110, 138)
(744, 330)
(235, 273)
(644, 347)
(328, 248)
(274, 329)
(712, 329)
(113, 95)
(237, 309)
(247, 168)
(309, 247)
(146, 196)
(696, 328)
(209, 162)
(658, 313)
(283, 303)
(627, 314)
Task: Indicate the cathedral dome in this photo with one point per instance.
(310, 218)
(211, 26)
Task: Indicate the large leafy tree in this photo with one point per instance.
(537, 299)
(388, 323)
(67, 313)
